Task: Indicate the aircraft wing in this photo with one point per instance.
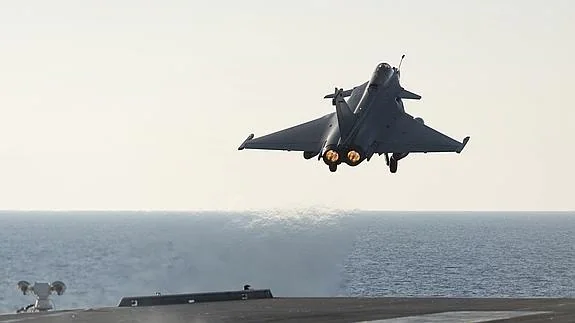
(308, 136)
(408, 135)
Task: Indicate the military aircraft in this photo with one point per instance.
(372, 121)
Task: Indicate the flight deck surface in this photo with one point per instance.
(384, 310)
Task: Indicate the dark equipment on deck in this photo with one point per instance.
(137, 301)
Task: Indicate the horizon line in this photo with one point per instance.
(295, 209)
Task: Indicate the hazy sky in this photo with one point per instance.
(142, 104)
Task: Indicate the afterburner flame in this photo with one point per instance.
(332, 156)
(353, 156)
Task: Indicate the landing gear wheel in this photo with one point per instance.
(392, 165)
(332, 168)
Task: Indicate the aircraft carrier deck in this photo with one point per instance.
(261, 306)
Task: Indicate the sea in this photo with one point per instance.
(103, 256)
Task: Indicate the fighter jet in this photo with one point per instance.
(371, 121)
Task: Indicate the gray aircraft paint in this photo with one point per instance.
(372, 120)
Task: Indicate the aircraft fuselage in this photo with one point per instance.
(379, 101)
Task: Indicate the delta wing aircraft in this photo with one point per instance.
(371, 121)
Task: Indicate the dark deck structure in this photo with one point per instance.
(264, 308)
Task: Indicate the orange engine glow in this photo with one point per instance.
(332, 156)
(353, 156)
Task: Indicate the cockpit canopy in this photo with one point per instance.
(383, 66)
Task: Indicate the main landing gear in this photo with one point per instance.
(332, 167)
(391, 162)
(392, 165)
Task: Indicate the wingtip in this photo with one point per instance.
(242, 146)
(465, 140)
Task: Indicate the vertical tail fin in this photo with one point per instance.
(345, 117)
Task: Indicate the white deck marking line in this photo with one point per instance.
(458, 317)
